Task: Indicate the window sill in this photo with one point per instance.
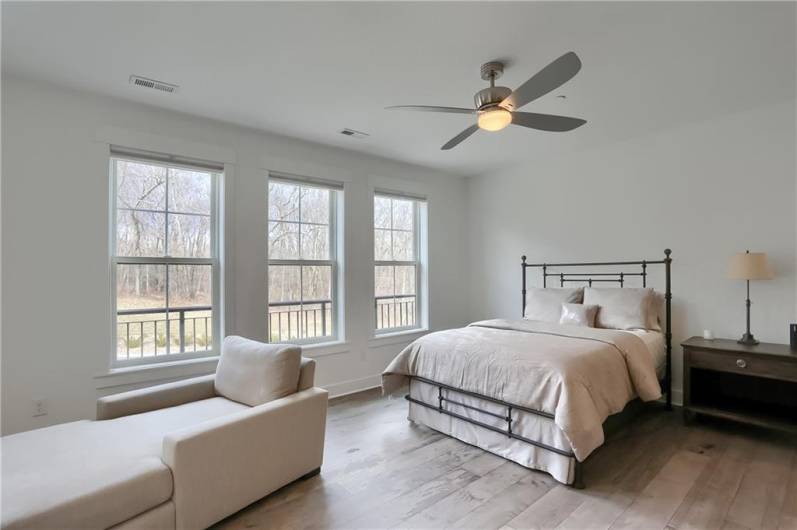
(323, 349)
(156, 372)
(398, 337)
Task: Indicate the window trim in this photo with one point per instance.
(332, 262)
(216, 172)
(417, 263)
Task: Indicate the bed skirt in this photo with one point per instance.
(530, 426)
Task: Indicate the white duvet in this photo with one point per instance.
(580, 375)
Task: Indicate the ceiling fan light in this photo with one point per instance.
(495, 119)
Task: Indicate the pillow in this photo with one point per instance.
(254, 373)
(578, 315)
(657, 311)
(545, 304)
(622, 307)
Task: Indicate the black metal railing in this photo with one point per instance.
(306, 319)
(395, 311)
(162, 332)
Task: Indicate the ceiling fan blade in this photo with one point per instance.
(461, 136)
(546, 122)
(428, 108)
(549, 78)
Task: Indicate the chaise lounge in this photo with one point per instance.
(179, 455)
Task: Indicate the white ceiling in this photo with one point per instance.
(307, 70)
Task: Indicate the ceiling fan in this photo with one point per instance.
(497, 106)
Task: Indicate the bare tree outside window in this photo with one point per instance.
(395, 262)
(301, 251)
(164, 259)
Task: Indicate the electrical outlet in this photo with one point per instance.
(39, 407)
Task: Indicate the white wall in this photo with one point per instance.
(706, 190)
(56, 294)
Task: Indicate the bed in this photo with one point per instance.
(539, 393)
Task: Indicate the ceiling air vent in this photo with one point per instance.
(353, 133)
(144, 82)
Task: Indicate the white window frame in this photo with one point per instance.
(418, 205)
(217, 175)
(335, 198)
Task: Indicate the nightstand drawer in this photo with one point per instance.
(742, 363)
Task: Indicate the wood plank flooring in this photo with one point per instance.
(381, 471)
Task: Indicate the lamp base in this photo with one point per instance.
(748, 340)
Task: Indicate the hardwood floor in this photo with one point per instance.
(381, 471)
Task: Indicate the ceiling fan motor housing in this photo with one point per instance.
(490, 97)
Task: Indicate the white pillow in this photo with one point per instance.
(254, 373)
(622, 307)
(658, 311)
(545, 304)
(578, 315)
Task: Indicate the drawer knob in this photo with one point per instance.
(741, 363)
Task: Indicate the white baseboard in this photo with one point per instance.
(353, 386)
(677, 397)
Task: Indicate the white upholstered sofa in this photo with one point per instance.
(179, 455)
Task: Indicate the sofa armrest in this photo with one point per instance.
(221, 465)
(306, 374)
(155, 397)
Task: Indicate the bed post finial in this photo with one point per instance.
(523, 259)
(667, 252)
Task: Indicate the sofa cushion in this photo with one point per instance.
(94, 474)
(254, 373)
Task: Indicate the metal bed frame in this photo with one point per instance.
(563, 277)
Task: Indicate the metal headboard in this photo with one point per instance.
(620, 278)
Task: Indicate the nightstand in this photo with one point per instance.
(756, 385)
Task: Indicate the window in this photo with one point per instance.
(302, 264)
(164, 260)
(397, 263)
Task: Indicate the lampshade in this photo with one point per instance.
(750, 266)
(495, 119)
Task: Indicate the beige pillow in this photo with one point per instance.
(254, 373)
(658, 311)
(545, 304)
(579, 315)
(622, 307)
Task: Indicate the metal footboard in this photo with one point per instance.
(508, 418)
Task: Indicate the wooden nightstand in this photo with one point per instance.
(756, 385)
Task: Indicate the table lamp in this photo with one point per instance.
(749, 266)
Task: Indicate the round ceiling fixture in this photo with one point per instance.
(494, 119)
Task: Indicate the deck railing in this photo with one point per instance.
(307, 319)
(160, 333)
(395, 311)
(190, 329)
